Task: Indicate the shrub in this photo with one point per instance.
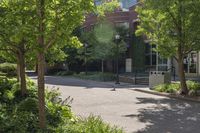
(168, 88)
(97, 76)
(20, 122)
(6, 93)
(20, 114)
(91, 124)
(8, 68)
(65, 73)
(192, 85)
(57, 110)
(2, 74)
(174, 87)
(28, 105)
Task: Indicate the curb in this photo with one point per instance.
(197, 100)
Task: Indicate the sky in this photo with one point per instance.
(124, 3)
(127, 3)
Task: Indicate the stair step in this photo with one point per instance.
(138, 80)
(142, 81)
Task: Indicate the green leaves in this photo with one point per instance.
(106, 7)
(169, 24)
(104, 32)
(101, 42)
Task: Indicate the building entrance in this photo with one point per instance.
(190, 63)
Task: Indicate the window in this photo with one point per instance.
(153, 60)
(122, 24)
(97, 2)
(125, 4)
(162, 64)
(150, 55)
(190, 63)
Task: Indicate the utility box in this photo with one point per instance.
(159, 77)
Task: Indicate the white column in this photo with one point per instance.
(169, 63)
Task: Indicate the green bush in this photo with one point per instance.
(28, 105)
(174, 87)
(65, 73)
(8, 68)
(91, 124)
(97, 76)
(193, 85)
(57, 110)
(168, 88)
(6, 92)
(20, 122)
(2, 74)
(20, 114)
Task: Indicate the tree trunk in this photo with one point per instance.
(184, 89)
(41, 63)
(181, 39)
(102, 69)
(18, 69)
(181, 72)
(102, 66)
(36, 67)
(22, 74)
(41, 93)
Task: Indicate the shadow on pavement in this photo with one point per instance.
(87, 84)
(168, 116)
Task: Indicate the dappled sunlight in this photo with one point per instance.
(168, 115)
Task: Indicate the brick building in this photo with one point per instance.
(140, 55)
(122, 16)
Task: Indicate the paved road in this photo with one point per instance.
(136, 112)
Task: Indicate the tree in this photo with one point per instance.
(106, 7)
(56, 21)
(173, 27)
(101, 39)
(101, 42)
(16, 26)
(106, 47)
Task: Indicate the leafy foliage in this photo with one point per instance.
(20, 114)
(168, 88)
(161, 21)
(91, 124)
(9, 69)
(97, 76)
(65, 73)
(102, 44)
(175, 87)
(106, 7)
(173, 27)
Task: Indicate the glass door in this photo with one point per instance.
(162, 63)
(190, 63)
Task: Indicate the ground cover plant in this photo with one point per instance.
(193, 87)
(20, 114)
(8, 69)
(96, 76)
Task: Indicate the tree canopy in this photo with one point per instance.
(173, 27)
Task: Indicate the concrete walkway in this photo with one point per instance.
(136, 112)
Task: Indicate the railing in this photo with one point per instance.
(140, 73)
(173, 70)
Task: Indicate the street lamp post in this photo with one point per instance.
(117, 38)
(85, 46)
